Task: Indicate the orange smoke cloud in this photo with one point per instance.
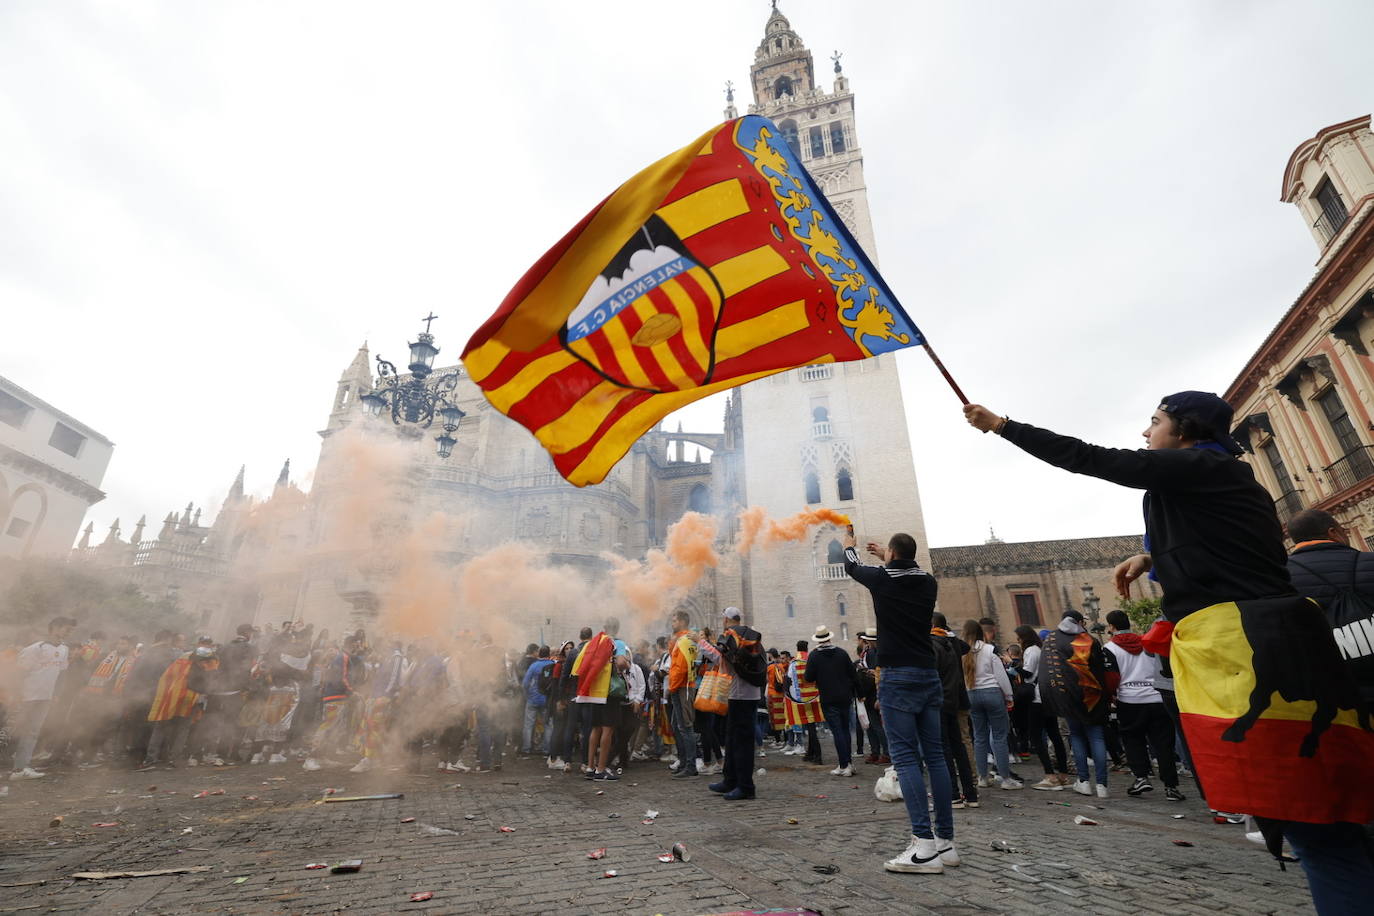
(655, 585)
(757, 529)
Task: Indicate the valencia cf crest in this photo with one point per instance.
(649, 319)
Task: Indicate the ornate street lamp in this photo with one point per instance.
(1092, 606)
(417, 398)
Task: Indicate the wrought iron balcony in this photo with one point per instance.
(1331, 222)
(1355, 466)
(1287, 505)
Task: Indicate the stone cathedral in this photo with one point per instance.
(823, 435)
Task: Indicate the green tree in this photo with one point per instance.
(33, 591)
(1142, 611)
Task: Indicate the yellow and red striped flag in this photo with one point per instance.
(719, 264)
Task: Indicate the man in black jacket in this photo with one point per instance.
(832, 671)
(1214, 543)
(1340, 578)
(954, 729)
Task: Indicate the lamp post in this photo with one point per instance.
(1092, 608)
(417, 398)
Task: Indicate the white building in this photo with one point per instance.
(51, 466)
(825, 435)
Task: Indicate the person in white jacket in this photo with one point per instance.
(1140, 710)
(990, 702)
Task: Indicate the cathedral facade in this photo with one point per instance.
(827, 435)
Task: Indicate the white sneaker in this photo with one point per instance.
(191, 761)
(441, 767)
(27, 773)
(984, 782)
(1011, 785)
(949, 856)
(847, 771)
(790, 751)
(717, 769)
(673, 762)
(762, 752)
(458, 766)
(838, 771)
(674, 766)
(362, 766)
(310, 764)
(1082, 787)
(255, 759)
(277, 758)
(1101, 791)
(701, 765)
(921, 858)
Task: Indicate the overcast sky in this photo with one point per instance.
(206, 207)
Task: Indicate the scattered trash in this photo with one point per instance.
(56, 822)
(1178, 817)
(332, 791)
(822, 796)
(647, 822)
(423, 895)
(186, 830)
(600, 791)
(825, 869)
(1003, 846)
(151, 789)
(666, 857)
(1084, 821)
(1060, 804)
(104, 875)
(793, 820)
(207, 793)
(114, 791)
(597, 853)
(651, 814)
(887, 788)
(469, 817)
(353, 798)
(407, 820)
(431, 830)
(680, 852)
(348, 867)
(612, 816)
(250, 798)
(1182, 843)
(507, 829)
(240, 880)
(106, 824)
(763, 772)
(314, 865)
(610, 874)
(1009, 805)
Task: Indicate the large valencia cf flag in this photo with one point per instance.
(719, 264)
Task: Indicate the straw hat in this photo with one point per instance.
(822, 634)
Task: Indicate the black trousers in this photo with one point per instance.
(960, 773)
(739, 745)
(1142, 726)
(1045, 726)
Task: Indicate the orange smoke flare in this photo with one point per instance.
(654, 586)
(757, 529)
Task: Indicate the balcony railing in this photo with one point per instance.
(1287, 505)
(820, 430)
(1330, 222)
(815, 373)
(1354, 467)
(831, 572)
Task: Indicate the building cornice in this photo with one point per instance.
(35, 401)
(1308, 148)
(68, 483)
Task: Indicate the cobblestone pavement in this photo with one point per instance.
(258, 836)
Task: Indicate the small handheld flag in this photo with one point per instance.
(717, 265)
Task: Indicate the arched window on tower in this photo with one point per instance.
(841, 606)
(817, 140)
(813, 488)
(789, 133)
(789, 606)
(700, 499)
(844, 484)
(837, 137)
(783, 85)
(834, 553)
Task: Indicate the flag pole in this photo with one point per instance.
(930, 351)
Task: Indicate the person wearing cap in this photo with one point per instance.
(832, 671)
(737, 646)
(1257, 673)
(868, 693)
(911, 696)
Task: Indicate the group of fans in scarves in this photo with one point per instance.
(1250, 682)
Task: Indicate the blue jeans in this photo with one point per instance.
(837, 717)
(910, 699)
(1081, 735)
(533, 716)
(490, 735)
(1340, 873)
(987, 709)
(683, 718)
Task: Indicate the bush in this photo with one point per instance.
(1142, 611)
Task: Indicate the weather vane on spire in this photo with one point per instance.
(730, 90)
(836, 58)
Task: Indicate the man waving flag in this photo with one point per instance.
(719, 264)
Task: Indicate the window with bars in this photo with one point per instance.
(837, 137)
(1027, 609)
(1333, 408)
(817, 142)
(1282, 478)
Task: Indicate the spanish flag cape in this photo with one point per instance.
(777, 714)
(592, 669)
(808, 711)
(1271, 713)
(173, 698)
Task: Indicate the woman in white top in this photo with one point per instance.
(990, 701)
(1041, 723)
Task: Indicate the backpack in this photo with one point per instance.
(546, 678)
(865, 683)
(745, 655)
(1351, 617)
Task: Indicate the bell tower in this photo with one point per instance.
(832, 434)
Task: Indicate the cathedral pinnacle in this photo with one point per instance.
(284, 477)
(236, 488)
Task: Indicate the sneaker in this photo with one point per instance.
(675, 766)
(191, 761)
(949, 856)
(762, 752)
(27, 773)
(277, 758)
(1140, 787)
(588, 773)
(838, 771)
(482, 769)
(255, 759)
(715, 769)
(701, 766)
(922, 857)
(958, 803)
(1225, 817)
(984, 782)
(1173, 794)
(362, 766)
(1049, 784)
(310, 764)
(215, 761)
(1101, 791)
(847, 771)
(971, 803)
(557, 764)
(1082, 787)
(685, 774)
(442, 767)
(141, 767)
(673, 761)
(458, 766)
(610, 775)
(790, 751)
(1011, 785)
